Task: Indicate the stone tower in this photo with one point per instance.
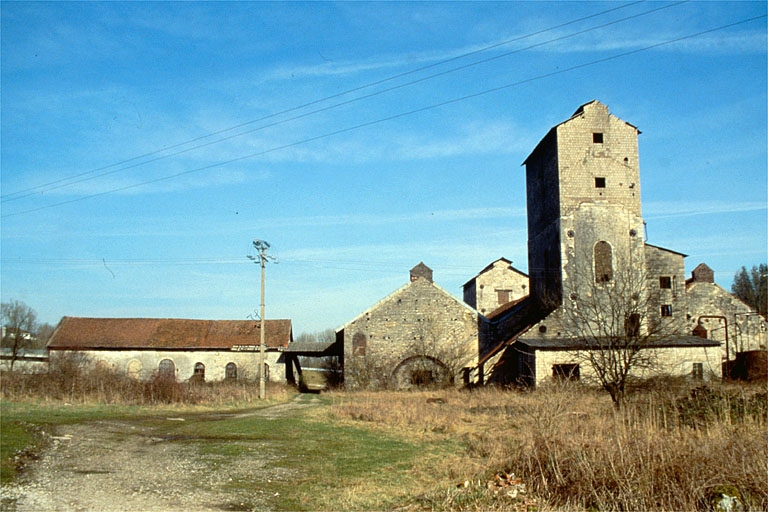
(583, 199)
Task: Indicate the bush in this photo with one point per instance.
(74, 378)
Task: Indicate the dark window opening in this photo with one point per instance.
(230, 371)
(167, 368)
(566, 372)
(697, 372)
(422, 378)
(198, 373)
(665, 282)
(600, 182)
(666, 310)
(632, 325)
(603, 262)
(359, 343)
(597, 138)
(700, 331)
(503, 296)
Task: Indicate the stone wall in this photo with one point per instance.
(419, 318)
(721, 314)
(583, 160)
(497, 286)
(143, 364)
(665, 276)
(673, 361)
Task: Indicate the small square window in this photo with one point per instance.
(597, 137)
(666, 310)
(599, 182)
(665, 282)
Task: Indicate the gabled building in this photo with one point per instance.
(716, 314)
(586, 249)
(418, 335)
(183, 348)
(496, 285)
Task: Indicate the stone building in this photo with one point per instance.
(717, 314)
(209, 350)
(496, 285)
(587, 257)
(418, 335)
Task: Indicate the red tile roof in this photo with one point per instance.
(165, 333)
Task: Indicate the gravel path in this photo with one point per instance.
(118, 466)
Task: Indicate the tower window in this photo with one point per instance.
(603, 262)
(597, 137)
(665, 282)
(599, 182)
(666, 310)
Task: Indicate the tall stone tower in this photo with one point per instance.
(583, 198)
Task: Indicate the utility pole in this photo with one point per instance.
(261, 258)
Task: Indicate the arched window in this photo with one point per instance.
(603, 262)
(167, 368)
(359, 343)
(230, 371)
(199, 372)
(134, 368)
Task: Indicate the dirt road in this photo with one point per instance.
(118, 466)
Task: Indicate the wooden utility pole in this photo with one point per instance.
(261, 258)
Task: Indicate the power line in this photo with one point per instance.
(64, 182)
(388, 118)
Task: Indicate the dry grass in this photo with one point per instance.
(74, 379)
(673, 447)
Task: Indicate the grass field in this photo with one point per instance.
(673, 447)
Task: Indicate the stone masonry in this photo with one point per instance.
(418, 333)
(495, 285)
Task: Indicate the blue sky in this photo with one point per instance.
(145, 145)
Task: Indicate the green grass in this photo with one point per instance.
(323, 458)
(323, 464)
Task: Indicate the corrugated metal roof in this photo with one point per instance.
(165, 333)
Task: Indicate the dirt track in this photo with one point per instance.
(117, 466)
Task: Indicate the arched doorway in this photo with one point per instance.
(421, 372)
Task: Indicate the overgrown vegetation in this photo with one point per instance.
(76, 379)
(675, 445)
(670, 448)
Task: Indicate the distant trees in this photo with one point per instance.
(752, 288)
(325, 336)
(19, 328)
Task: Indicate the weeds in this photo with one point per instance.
(672, 447)
(74, 379)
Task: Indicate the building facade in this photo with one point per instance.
(419, 335)
(593, 278)
(205, 350)
(496, 285)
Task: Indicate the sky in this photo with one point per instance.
(144, 146)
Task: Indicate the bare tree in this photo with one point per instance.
(19, 323)
(44, 333)
(611, 317)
